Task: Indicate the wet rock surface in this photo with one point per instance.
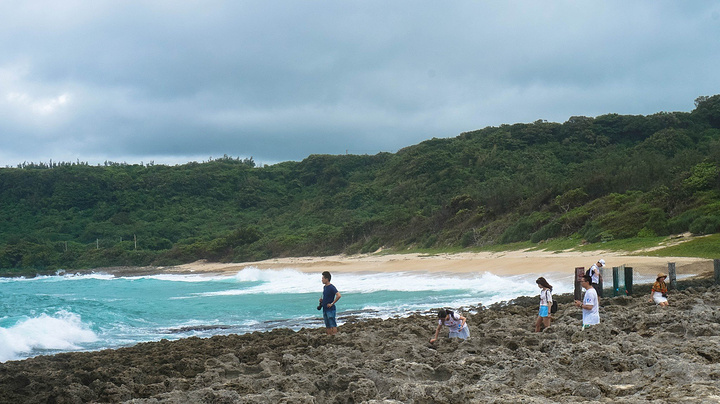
(638, 353)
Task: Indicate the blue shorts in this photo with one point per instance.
(543, 311)
(329, 317)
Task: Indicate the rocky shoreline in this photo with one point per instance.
(638, 353)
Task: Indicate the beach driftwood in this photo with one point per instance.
(639, 352)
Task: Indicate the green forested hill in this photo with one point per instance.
(597, 179)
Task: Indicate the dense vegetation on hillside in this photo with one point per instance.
(596, 179)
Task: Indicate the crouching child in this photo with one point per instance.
(456, 324)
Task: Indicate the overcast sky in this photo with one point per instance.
(179, 81)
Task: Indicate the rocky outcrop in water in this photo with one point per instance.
(639, 352)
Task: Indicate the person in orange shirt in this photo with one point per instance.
(658, 293)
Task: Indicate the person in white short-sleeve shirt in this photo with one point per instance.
(456, 323)
(590, 305)
(546, 301)
(596, 277)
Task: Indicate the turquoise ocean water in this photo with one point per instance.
(46, 315)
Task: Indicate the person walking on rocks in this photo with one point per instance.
(658, 293)
(456, 323)
(594, 272)
(545, 303)
(329, 297)
(589, 304)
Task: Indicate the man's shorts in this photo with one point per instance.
(329, 317)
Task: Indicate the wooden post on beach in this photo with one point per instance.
(616, 282)
(628, 280)
(716, 263)
(672, 276)
(579, 272)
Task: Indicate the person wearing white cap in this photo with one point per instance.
(594, 272)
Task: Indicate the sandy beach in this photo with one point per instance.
(502, 263)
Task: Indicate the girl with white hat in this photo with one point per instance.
(658, 293)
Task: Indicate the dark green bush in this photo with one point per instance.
(705, 225)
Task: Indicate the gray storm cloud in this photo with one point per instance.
(177, 81)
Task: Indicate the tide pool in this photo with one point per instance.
(46, 315)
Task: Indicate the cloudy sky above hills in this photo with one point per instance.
(178, 81)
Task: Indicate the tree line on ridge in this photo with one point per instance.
(594, 179)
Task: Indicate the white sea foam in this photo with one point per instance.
(184, 278)
(137, 315)
(58, 278)
(62, 331)
(641, 279)
(293, 281)
(80, 277)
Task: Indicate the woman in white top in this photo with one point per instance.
(545, 303)
(455, 322)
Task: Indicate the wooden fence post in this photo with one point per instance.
(619, 281)
(579, 272)
(628, 280)
(672, 276)
(616, 281)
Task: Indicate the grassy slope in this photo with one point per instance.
(707, 247)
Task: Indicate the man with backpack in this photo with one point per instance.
(594, 273)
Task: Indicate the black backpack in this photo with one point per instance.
(553, 307)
